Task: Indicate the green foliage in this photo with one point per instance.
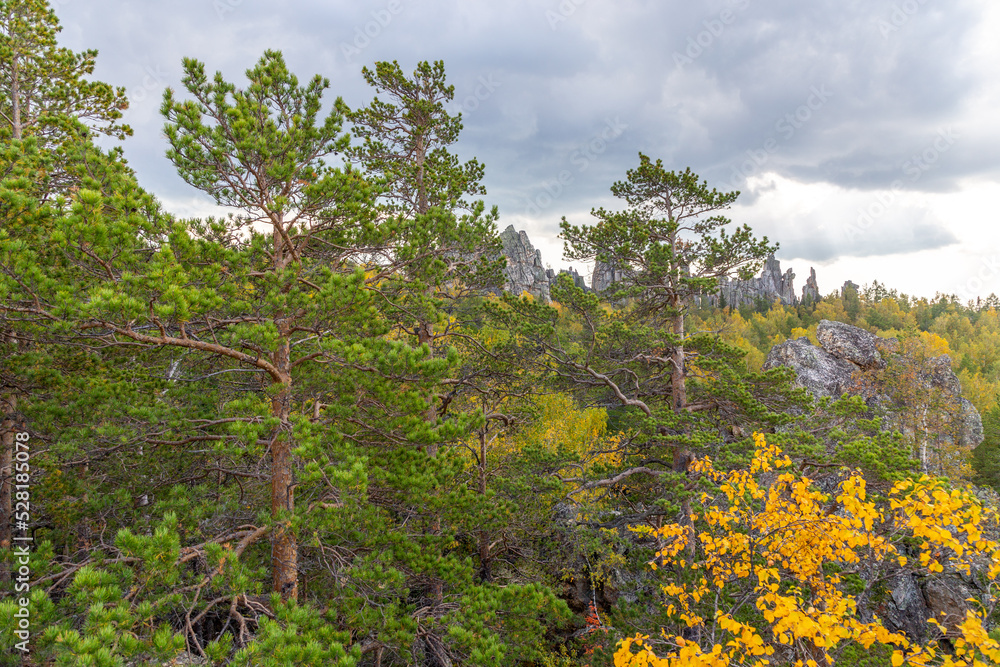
(328, 370)
(43, 92)
(986, 457)
(297, 635)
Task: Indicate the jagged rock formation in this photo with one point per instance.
(770, 286)
(848, 285)
(525, 271)
(810, 293)
(578, 280)
(605, 275)
(835, 368)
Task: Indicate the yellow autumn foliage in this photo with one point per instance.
(782, 548)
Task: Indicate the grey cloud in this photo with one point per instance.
(889, 232)
(891, 89)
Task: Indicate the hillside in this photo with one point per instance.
(353, 423)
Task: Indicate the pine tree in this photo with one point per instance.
(262, 150)
(439, 244)
(43, 96)
(42, 89)
(675, 245)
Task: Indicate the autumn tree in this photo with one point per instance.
(777, 577)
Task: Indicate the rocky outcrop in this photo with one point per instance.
(912, 601)
(849, 287)
(823, 374)
(947, 600)
(525, 271)
(904, 609)
(810, 293)
(971, 425)
(772, 285)
(846, 351)
(605, 275)
(846, 362)
(852, 344)
(578, 280)
(939, 374)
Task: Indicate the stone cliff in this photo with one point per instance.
(772, 285)
(525, 271)
(838, 366)
(847, 352)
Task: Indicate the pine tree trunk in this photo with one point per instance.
(15, 82)
(284, 547)
(678, 389)
(425, 335)
(678, 376)
(15, 98)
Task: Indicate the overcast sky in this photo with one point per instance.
(863, 134)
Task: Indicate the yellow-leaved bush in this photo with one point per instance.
(773, 559)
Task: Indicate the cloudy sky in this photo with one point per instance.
(863, 134)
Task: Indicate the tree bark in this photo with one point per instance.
(678, 388)
(284, 546)
(15, 99)
(678, 398)
(15, 89)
